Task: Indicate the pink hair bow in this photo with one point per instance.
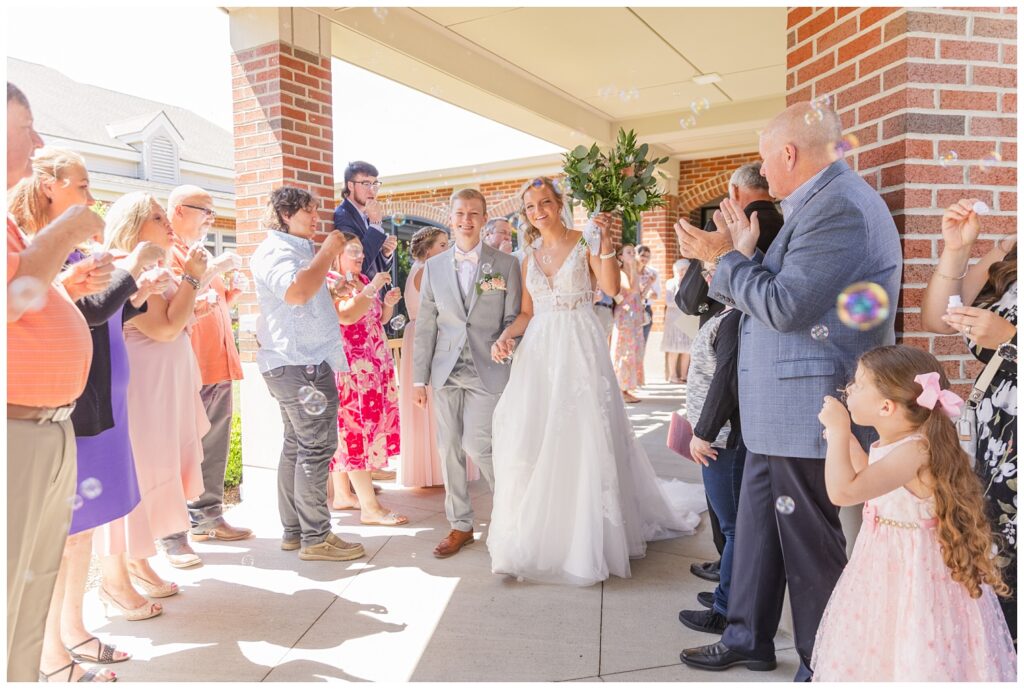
(932, 394)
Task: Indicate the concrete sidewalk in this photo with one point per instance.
(253, 612)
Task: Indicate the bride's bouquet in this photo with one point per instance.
(620, 180)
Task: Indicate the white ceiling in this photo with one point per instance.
(565, 74)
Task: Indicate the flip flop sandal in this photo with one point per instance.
(104, 655)
(390, 519)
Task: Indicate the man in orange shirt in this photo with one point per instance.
(190, 210)
(48, 354)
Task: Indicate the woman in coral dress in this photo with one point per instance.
(368, 431)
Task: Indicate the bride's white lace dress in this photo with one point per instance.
(575, 494)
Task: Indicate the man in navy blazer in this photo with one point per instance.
(837, 232)
(361, 215)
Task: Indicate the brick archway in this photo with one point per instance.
(708, 190)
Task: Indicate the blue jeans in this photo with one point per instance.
(722, 478)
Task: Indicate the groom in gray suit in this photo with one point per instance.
(470, 294)
(837, 232)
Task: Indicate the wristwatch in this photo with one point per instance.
(1008, 350)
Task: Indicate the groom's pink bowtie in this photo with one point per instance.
(466, 256)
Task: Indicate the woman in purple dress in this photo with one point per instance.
(107, 487)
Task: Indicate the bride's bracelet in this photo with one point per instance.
(610, 254)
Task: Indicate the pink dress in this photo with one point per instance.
(367, 395)
(166, 424)
(628, 341)
(897, 615)
(421, 464)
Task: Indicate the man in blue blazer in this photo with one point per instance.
(361, 215)
(837, 231)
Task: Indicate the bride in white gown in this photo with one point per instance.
(575, 494)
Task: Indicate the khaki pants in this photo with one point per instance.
(41, 475)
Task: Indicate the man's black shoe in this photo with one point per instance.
(718, 656)
(707, 621)
(707, 599)
(707, 571)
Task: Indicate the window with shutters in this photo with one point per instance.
(162, 160)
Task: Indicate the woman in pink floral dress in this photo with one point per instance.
(628, 336)
(368, 430)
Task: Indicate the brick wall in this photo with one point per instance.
(914, 86)
(283, 136)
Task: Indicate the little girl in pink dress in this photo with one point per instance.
(917, 601)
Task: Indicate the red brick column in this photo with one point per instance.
(283, 136)
(914, 86)
(658, 234)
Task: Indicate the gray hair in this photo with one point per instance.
(179, 194)
(491, 224)
(749, 177)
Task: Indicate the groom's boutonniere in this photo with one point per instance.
(491, 282)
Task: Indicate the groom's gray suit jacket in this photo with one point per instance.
(446, 321)
(839, 234)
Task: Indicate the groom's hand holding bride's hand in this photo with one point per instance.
(502, 349)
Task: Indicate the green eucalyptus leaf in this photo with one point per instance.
(642, 152)
(586, 167)
(580, 152)
(640, 198)
(628, 183)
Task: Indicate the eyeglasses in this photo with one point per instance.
(208, 212)
(369, 185)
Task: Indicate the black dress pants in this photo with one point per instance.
(805, 548)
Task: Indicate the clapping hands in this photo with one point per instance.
(730, 218)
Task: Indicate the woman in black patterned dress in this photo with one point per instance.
(990, 324)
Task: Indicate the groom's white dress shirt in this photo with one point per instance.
(465, 266)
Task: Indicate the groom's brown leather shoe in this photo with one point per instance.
(453, 543)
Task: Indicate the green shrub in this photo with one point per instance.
(233, 475)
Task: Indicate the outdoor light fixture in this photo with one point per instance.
(705, 79)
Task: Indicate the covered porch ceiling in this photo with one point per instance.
(575, 75)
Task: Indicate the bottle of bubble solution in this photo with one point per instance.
(954, 302)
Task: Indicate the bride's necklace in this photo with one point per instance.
(546, 258)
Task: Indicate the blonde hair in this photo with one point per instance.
(423, 240)
(26, 201)
(467, 194)
(531, 233)
(125, 218)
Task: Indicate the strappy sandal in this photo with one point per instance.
(89, 676)
(143, 612)
(390, 519)
(153, 590)
(104, 655)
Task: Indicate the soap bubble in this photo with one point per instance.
(248, 560)
(606, 92)
(814, 116)
(397, 323)
(948, 158)
(398, 219)
(822, 102)
(785, 505)
(240, 282)
(819, 332)
(849, 142)
(537, 182)
(76, 502)
(688, 121)
(989, 160)
(486, 268)
(863, 305)
(703, 308)
(700, 105)
(26, 294)
(981, 208)
(90, 488)
(312, 400)
(380, 13)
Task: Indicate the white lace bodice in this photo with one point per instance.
(568, 289)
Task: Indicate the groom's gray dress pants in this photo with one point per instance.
(463, 408)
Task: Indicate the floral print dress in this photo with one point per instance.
(368, 429)
(996, 458)
(628, 341)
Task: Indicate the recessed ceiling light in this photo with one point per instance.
(709, 78)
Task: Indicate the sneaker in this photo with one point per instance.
(287, 544)
(329, 551)
(181, 555)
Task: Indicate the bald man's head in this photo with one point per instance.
(797, 144)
